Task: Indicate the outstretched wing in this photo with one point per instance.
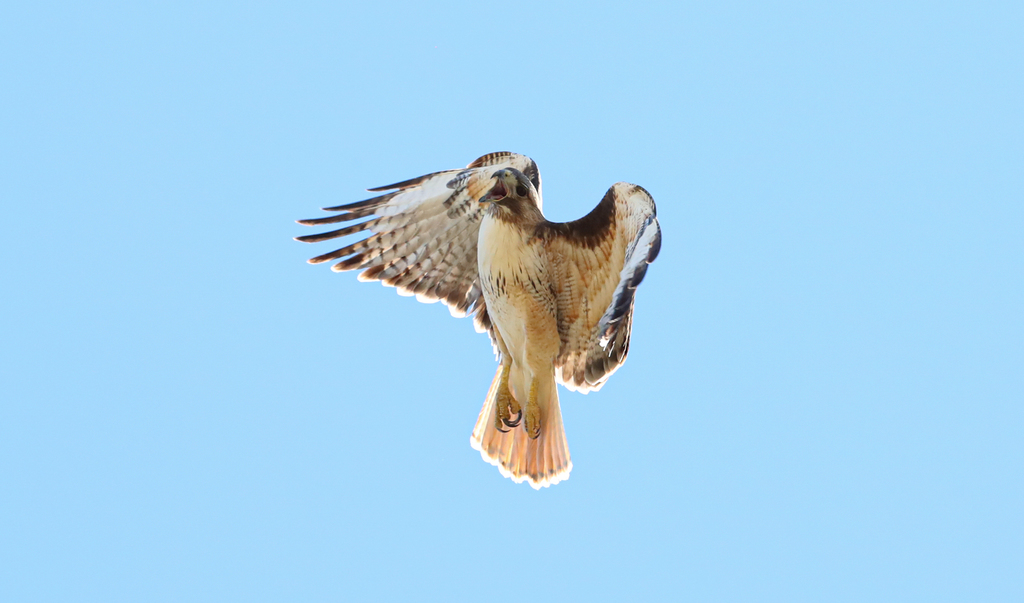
(423, 234)
(599, 260)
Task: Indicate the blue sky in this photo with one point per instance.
(823, 400)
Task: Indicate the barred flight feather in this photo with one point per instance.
(424, 234)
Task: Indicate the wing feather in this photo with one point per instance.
(422, 234)
(599, 261)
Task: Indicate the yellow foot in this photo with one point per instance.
(507, 404)
(533, 412)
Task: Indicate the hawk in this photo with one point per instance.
(556, 298)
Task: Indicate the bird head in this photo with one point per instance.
(508, 183)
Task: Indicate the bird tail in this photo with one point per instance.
(542, 461)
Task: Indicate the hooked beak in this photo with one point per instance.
(498, 191)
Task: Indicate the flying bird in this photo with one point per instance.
(556, 298)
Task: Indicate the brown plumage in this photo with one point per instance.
(556, 298)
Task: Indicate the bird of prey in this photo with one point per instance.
(556, 298)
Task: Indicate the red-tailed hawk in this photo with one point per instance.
(556, 298)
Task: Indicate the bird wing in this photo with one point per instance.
(598, 261)
(422, 234)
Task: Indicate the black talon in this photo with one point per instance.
(503, 430)
(514, 423)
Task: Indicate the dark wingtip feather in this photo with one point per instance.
(652, 253)
(315, 238)
(333, 255)
(343, 217)
(335, 234)
(320, 259)
(373, 273)
(638, 276)
(349, 264)
(405, 183)
(372, 202)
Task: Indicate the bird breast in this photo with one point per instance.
(502, 251)
(514, 279)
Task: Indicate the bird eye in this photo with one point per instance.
(520, 190)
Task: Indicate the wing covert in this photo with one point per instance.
(599, 261)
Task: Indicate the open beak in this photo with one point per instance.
(498, 191)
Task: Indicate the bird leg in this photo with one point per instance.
(533, 412)
(507, 404)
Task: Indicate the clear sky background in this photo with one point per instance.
(823, 400)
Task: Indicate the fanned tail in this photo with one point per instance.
(540, 462)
